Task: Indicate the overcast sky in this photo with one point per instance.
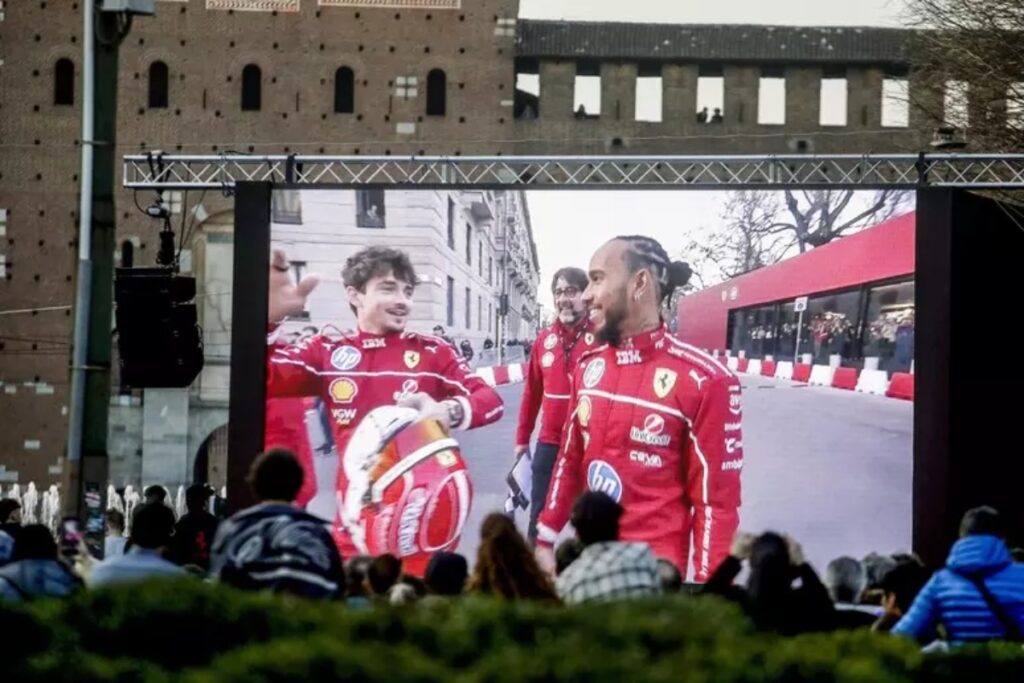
(569, 226)
(803, 12)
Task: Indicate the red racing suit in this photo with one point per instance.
(656, 425)
(555, 353)
(359, 372)
(286, 427)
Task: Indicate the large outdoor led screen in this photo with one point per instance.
(796, 325)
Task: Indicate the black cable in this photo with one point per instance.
(181, 237)
(135, 198)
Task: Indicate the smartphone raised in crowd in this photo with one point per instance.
(70, 536)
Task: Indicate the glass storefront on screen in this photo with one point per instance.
(831, 325)
(889, 326)
(754, 331)
(870, 321)
(788, 321)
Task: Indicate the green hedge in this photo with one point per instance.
(190, 632)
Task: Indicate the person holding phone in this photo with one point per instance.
(152, 528)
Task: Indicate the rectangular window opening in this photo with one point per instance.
(895, 103)
(586, 98)
(833, 106)
(648, 99)
(286, 207)
(370, 208)
(1015, 106)
(771, 100)
(527, 96)
(451, 223)
(450, 318)
(710, 96)
(956, 104)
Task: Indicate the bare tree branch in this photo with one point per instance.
(759, 230)
(978, 43)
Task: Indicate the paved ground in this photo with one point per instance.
(831, 467)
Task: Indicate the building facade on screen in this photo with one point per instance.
(469, 248)
(371, 77)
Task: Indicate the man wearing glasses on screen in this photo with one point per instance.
(546, 391)
(381, 364)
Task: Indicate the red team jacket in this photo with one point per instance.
(555, 353)
(655, 424)
(360, 372)
(286, 426)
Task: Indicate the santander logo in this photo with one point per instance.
(651, 434)
(654, 424)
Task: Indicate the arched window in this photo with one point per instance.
(158, 84)
(437, 86)
(252, 88)
(127, 254)
(64, 83)
(344, 91)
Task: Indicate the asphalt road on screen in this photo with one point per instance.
(831, 467)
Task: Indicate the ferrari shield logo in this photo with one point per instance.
(412, 359)
(664, 380)
(588, 339)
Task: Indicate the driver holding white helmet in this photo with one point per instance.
(381, 364)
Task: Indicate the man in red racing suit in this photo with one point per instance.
(357, 372)
(546, 390)
(655, 422)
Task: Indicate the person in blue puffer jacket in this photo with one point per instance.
(952, 597)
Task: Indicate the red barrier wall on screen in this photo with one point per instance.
(880, 253)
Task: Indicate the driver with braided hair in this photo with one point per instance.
(654, 422)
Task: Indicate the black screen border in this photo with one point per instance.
(937, 495)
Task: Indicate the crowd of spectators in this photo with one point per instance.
(276, 546)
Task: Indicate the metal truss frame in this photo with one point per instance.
(908, 171)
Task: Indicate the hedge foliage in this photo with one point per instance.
(191, 632)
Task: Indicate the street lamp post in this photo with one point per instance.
(105, 25)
